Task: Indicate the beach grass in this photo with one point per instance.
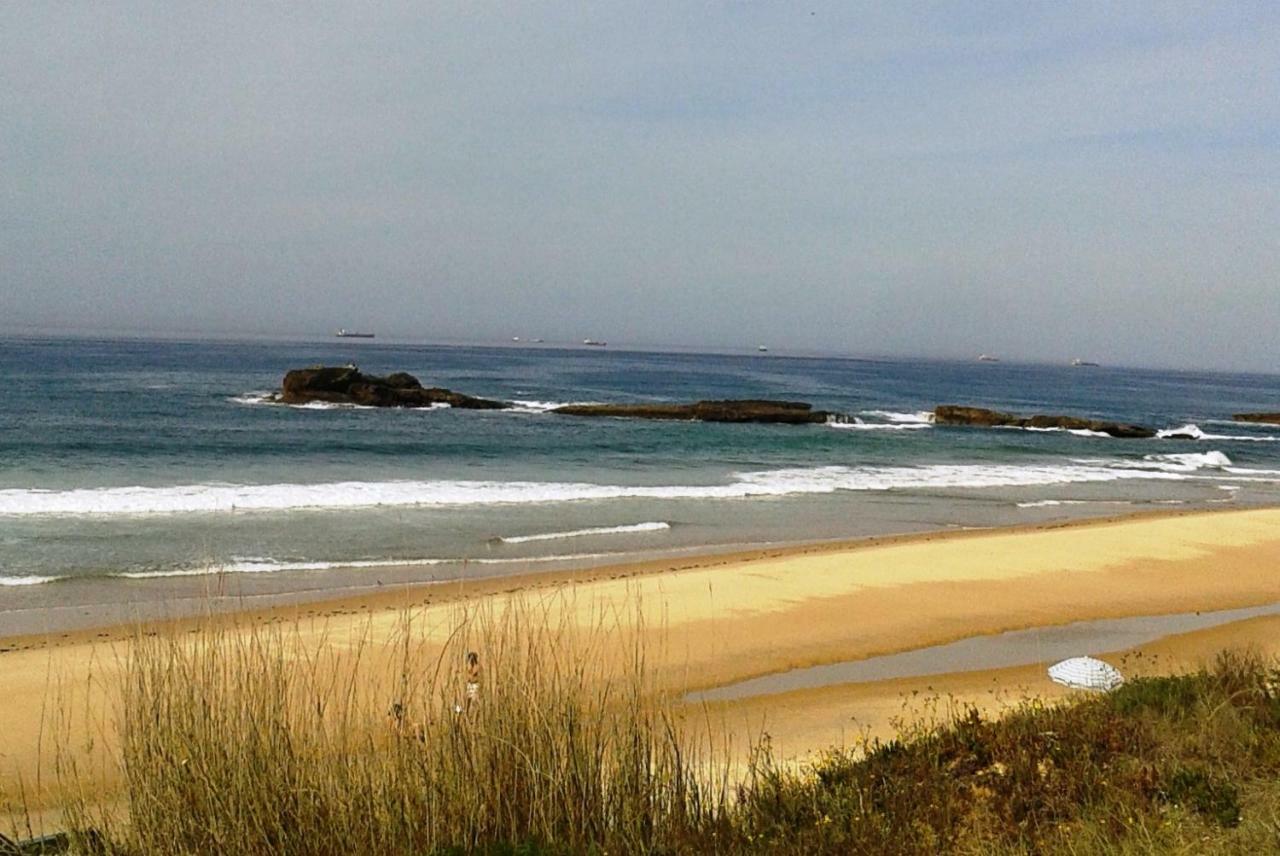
(248, 740)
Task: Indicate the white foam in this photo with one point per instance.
(916, 416)
(530, 406)
(887, 420)
(269, 399)
(1079, 432)
(257, 565)
(225, 498)
(26, 581)
(257, 397)
(653, 526)
(1189, 430)
(1249, 471)
(336, 405)
(1194, 432)
(1048, 503)
(1186, 461)
(859, 425)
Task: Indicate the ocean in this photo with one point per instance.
(140, 475)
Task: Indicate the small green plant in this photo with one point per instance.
(1196, 788)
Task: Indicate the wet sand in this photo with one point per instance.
(715, 621)
(1040, 646)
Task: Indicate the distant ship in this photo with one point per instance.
(594, 343)
(1079, 362)
(352, 334)
(987, 358)
(762, 349)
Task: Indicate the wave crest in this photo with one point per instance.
(27, 581)
(652, 526)
(225, 498)
(1194, 432)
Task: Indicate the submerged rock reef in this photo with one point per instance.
(348, 385)
(741, 410)
(955, 414)
(1265, 418)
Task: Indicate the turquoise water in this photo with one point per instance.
(143, 465)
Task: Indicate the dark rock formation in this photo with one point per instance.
(1266, 418)
(954, 414)
(789, 412)
(348, 385)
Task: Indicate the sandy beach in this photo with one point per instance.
(716, 620)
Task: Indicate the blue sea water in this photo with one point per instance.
(129, 469)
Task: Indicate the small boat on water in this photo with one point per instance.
(594, 343)
(1079, 362)
(352, 334)
(762, 349)
(987, 358)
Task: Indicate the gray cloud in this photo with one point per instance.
(1035, 181)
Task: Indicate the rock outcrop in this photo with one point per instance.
(1265, 418)
(348, 385)
(954, 414)
(788, 412)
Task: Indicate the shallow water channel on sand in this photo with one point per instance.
(1001, 650)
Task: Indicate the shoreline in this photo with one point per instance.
(116, 624)
(716, 620)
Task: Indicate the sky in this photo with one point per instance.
(1039, 181)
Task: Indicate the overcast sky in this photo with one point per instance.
(1035, 180)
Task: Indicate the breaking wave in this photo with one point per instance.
(529, 406)
(858, 425)
(213, 498)
(653, 526)
(1079, 432)
(1194, 432)
(27, 581)
(885, 420)
(1049, 503)
(257, 565)
(1185, 462)
(268, 399)
(915, 416)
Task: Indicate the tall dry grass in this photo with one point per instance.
(268, 739)
(261, 740)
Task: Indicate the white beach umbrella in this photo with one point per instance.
(1086, 673)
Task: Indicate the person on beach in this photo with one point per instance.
(473, 678)
(400, 724)
(397, 721)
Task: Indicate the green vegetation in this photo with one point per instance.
(248, 743)
(1171, 764)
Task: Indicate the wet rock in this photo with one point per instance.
(1265, 418)
(954, 414)
(348, 385)
(787, 412)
